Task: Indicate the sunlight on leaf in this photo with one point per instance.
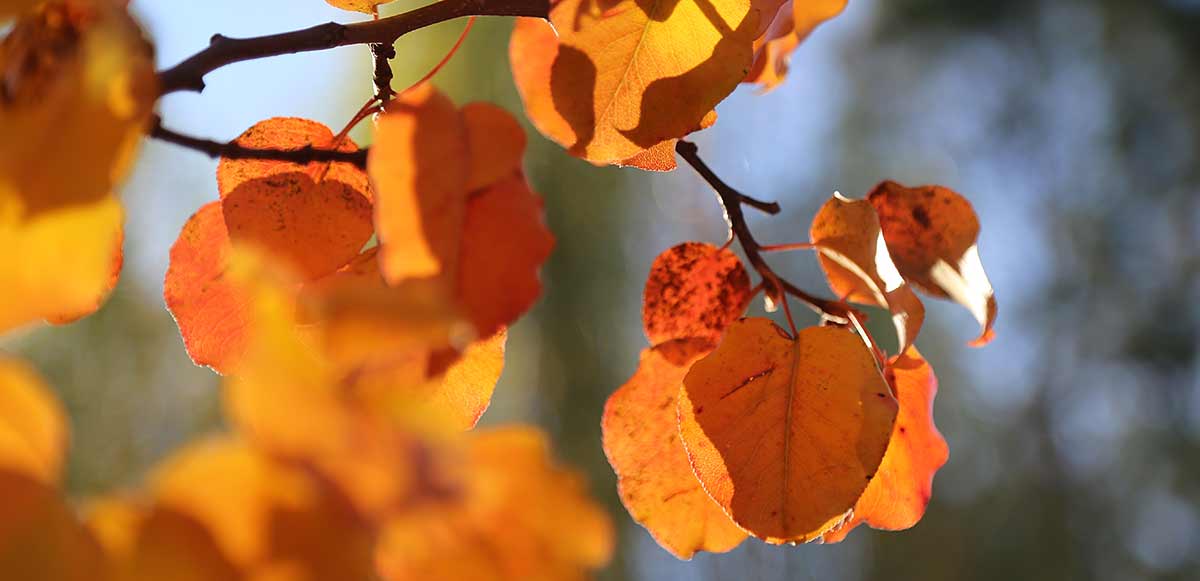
(33, 425)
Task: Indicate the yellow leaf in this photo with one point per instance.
(625, 76)
(33, 427)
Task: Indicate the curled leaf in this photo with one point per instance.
(694, 290)
(931, 233)
(794, 21)
(654, 478)
(853, 254)
(624, 77)
(785, 434)
(897, 496)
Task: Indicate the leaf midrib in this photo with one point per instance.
(603, 116)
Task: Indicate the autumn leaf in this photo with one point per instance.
(624, 77)
(265, 516)
(40, 538)
(654, 478)
(33, 426)
(931, 233)
(453, 205)
(79, 82)
(794, 21)
(694, 290)
(14, 7)
(290, 134)
(896, 498)
(852, 252)
(785, 434)
(491, 528)
(145, 543)
(419, 166)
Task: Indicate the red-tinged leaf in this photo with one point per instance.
(33, 426)
(419, 165)
(785, 434)
(694, 290)
(495, 144)
(626, 76)
(854, 256)
(40, 538)
(316, 227)
(504, 244)
(654, 478)
(289, 134)
(210, 313)
(931, 233)
(897, 496)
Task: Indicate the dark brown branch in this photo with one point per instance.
(733, 200)
(189, 74)
(231, 150)
(383, 54)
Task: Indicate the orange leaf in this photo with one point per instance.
(785, 434)
(504, 243)
(265, 516)
(491, 530)
(794, 21)
(419, 166)
(931, 233)
(854, 256)
(33, 427)
(897, 496)
(623, 77)
(288, 134)
(495, 142)
(694, 290)
(211, 314)
(145, 543)
(364, 6)
(654, 478)
(316, 227)
(40, 538)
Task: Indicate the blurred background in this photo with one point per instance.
(1072, 125)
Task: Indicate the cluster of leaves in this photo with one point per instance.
(359, 313)
(359, 316)
(733, 427)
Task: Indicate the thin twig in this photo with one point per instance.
(222, 50)
(232, 150)
(732, 200)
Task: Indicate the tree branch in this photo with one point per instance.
(231, 150)
(189, 74)
(732, 201)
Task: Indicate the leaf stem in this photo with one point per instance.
(188, 75)
(775, 286)
(232, 150)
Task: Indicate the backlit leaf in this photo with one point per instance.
(33, 426)
(419, 166)
(364, 6)
(785, 434)
(897, 496)
(625, 76)
(654, 478)
(854, 256)
(504, 243)
(495, 144)
(516, 516)
(79, 82)
(931, 233)
(290, 133)
(794, 21)
(694, 290)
